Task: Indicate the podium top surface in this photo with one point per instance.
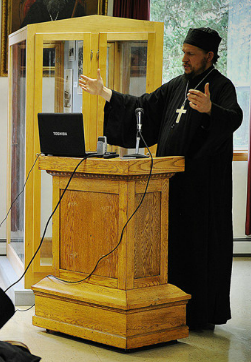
(116, 166)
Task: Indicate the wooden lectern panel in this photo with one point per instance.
(148, 236)
(88, 230)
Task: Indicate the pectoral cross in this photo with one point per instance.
(180, 111)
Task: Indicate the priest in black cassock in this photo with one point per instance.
(193, 115)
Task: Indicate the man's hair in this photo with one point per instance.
(216, 56)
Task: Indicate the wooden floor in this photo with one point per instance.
(228, 343)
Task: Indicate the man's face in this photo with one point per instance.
(195, 60)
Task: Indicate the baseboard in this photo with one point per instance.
(2, 247)
(242, 246)
(18, 294)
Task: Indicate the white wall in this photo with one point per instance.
(3, 151)
(240, 171)
(110, 8)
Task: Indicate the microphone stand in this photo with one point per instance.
(138, 113)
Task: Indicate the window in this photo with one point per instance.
(232, 19)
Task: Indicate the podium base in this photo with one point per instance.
(124, 319)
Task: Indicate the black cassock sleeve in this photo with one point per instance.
(120, 120)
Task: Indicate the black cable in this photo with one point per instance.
(20, 193)
(25, 310)
(46, 226)
(123, 229)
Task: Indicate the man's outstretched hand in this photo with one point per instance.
(95, 86)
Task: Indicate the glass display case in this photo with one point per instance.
(45, 63)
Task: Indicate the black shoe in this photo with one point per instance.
(201, 327)
(209, 326)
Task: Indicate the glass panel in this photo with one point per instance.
(129, 59)
(126, 72)
(241, 135)
(62, 66)
(18, 146)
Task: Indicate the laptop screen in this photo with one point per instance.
(61, 134)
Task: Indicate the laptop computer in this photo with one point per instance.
(62, 134)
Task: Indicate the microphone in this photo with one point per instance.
(138, 113)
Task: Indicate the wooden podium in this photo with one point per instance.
(127, 302)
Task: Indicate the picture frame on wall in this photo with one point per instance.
(19, 13)
(138, 61)
(68, 91)
(80, 62)
(72, 51)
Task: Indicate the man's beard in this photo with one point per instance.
(189, 76)
(193, 74)
(55, 6)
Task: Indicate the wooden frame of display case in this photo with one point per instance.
(97, 32)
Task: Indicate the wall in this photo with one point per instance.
(3, 151)
(110, 8)
(239, 200)
(242, 243)
(3, 155)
